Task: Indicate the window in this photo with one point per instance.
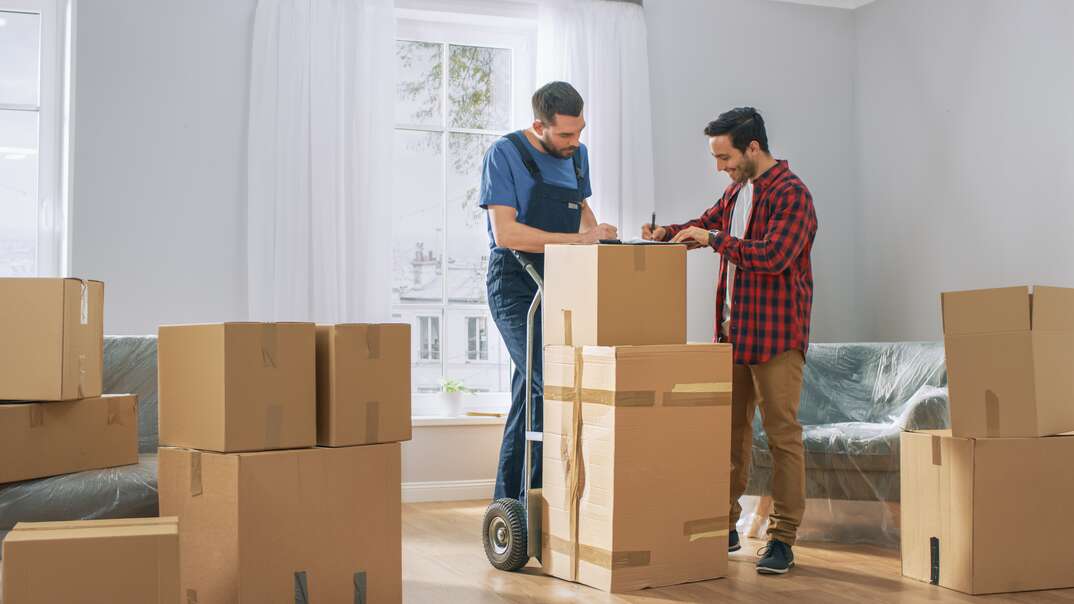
(33, 226)
(477, 339)
(462, 82)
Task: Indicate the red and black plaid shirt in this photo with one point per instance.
(773, 294)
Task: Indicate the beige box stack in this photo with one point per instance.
(636, 424)
(1006, 460)
(266, 513)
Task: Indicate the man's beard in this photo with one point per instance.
(746, 170)
(559, 154)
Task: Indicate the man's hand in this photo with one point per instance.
(649, 234)
(599, 233)
(692, 237)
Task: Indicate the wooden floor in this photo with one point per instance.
(443, 562)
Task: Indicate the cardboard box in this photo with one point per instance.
(363, 384)
(46, 439)
(132, 561)
(259, 526)
(238, 386)
(614, 295)
(648, 504)
(53, 339)
(1010, 361)
(986, 515)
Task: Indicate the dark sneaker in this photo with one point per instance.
(732, 542)
(776, 558)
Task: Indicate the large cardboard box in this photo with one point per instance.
(363, 384)
(53, 338)
(648, 504)
(613, 295)
(1010, 361)
(46, 439)
(237, 386)
(986, 515)
(260, 527)
(132, 561)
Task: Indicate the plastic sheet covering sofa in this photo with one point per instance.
(856, 399)
(130, 366)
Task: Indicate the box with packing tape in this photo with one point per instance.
(612, 295)
(1009, 356)
(972, 511)
(53, 338)
(128, 561)
(363, 384)
(46, 439)
(267, 527)
(636, 464)
(237, 386)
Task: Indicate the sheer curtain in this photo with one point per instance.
(600, 47)
(319, 173)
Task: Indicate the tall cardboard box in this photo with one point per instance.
(363, 384)
(260, 527)
(614, 295)
(648, 504)
(53, 338)
(132, 561)
(46, 439)
(1010, 361)
(986, 515)
(237, 386)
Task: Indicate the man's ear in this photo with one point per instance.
(538, 127)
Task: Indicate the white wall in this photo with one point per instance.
(966, 135)
(158, 170)
(794, 63)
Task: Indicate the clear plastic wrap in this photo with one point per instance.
(130, 367)
(856, 399)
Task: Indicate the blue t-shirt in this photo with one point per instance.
(505, 181)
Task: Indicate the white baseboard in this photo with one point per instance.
(448, 490)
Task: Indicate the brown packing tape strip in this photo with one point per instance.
(991, 413)
(81, 376)
(568, 328)
(372, 422)
(115, 411)
(563, 394)
(610, 560)
(706, 528)
(37, 416)
(191, 596)
(573, 456)
(273, 425)
(372, 341)
(639, 257)
(268, 345)
(195, 477)
(937, 456)
(697, 399)
(83, 313)
(619, 398)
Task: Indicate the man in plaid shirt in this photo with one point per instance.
(763, 228)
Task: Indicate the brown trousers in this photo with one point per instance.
(775, 387)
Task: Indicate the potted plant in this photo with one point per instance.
(451, 393)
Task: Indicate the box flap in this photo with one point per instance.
(986, 311)
(1053, 308)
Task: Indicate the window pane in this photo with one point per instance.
(418, 219)
(420, 83)
(20, 47)
(18, 193)
(467, 227)
(483, 339)
(479, 87)
(435, 334)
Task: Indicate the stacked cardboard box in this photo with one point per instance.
(968, 492)
(637, 424)
(266, 513)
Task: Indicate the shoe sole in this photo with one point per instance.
(764, 570)
(733, 548)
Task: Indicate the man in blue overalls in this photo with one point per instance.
(534, 185)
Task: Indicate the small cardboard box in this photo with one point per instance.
(131, 561)
(985, 515)
(1010, 361)
(53, 339)
(614, 295)
(237, 386)
(363, 384)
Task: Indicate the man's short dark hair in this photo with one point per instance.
(743, 124)
(553, 98)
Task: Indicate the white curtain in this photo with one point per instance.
(319, 173)
(600, 47)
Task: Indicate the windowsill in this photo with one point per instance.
(466, 420)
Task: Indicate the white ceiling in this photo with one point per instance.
(847, 4)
